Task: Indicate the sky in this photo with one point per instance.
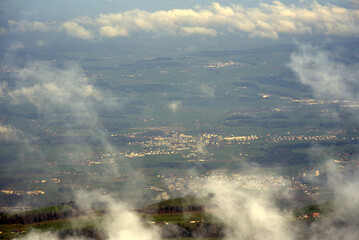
(240, 24)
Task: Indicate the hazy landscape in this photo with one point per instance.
(179, 120)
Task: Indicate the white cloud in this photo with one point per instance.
(119, 222)
(76, 30)
(26, 26)
(110, 31)
(256, 215)
(265, 21)
(51, 89)
(9, 134)
(17, 45)
(330, 78)
(207, 91)
(199, 31)
(326, 77)
(3, 89)
(58, 92)
(342, 223)
(41, 43)
(37, 235)
(248, 215)
(175, 105)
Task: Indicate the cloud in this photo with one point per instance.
(328, 77)
(37, 235)
(41, 43)
(3, 89)
(342, 223)
(76, 30)
(175, 105)
(202, 150)
(199, 31)
(51, 89)
(265, 21)
(63, 96)
(9, 134)
(118, 223)
(316, 68)
(248, 215)
(113, 31)
(26, 26)
(207, 91)
(256, 215)
(17, 45)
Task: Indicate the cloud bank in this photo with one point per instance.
(265, 21)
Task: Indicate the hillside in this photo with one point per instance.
(185, 214)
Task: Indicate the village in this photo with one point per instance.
(178, 142)
(174, 185)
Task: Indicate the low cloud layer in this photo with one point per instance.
(265, 21)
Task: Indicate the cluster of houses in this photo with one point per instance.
(307, 216)
(20, 193)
